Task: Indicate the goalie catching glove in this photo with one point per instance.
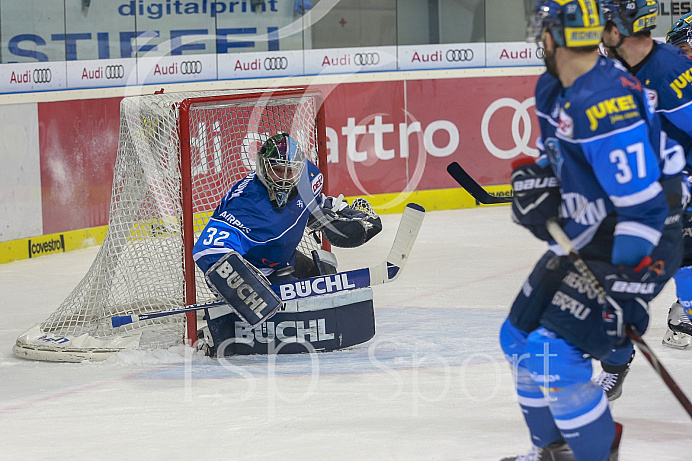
(346, 226)
(536, 197)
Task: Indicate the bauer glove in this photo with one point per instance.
(630, 289)
(536, 197)
(644, 281)
(634, 312)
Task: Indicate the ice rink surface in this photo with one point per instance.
(431, 385)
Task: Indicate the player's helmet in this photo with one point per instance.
(631, 16)
(681, 32)
(280, 163)
(573, 24)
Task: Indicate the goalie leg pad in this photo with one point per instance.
(244, 288)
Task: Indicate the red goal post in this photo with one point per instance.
(315, 148)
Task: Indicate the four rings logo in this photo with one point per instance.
(459, 55)
(42, 75)
(190, 67)
(115, 71)
(276, 63)
(521, 117)
(366, 59)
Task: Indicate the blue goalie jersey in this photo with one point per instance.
(605, 145)
(667, 74)
(246, 221)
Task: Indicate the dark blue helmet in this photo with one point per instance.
(681, 32)
(631, 16)
(572, 23)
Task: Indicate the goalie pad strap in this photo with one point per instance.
(244, 289)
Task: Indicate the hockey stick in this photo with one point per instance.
(563, 240)
(385, 272)
(472, 187)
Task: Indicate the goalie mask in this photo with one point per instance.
(280, 163)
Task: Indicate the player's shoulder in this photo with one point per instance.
(315, 177)
(548, 88)
(669, 72)
(666, 56)
(607, 98)
(665, 64)
(247, 187)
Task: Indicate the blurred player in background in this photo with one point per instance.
(605, 173)
(662, 69)
(680, 34)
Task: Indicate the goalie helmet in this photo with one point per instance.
(681, 32)
(280, 163)
(572, 24)
(631, 16)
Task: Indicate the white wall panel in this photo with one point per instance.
(20, 174)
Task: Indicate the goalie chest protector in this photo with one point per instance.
(325, 323)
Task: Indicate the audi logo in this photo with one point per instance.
(459, 55)
(115, 71)
(42, 75)
(540, 52)
(366, 59)
(276, 63)
(521, 118)
(190, 67)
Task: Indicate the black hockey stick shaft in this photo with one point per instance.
(566, 244)
(472, 187)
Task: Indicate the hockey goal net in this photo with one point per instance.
(178, 154)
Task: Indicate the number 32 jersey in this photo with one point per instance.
(246, 221)
(606, 147)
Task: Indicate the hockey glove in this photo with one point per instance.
(327, 213)
(634, 312)
(536, 197)
(353, 225)
(631, 288)
(622, 282)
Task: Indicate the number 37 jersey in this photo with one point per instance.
(606, 147)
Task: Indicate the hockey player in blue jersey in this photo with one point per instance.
(680, 34)
(664, 70)
(264, 215)
(606, 173)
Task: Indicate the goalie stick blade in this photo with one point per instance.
(472, 187)
(385, 272)
(406, 234)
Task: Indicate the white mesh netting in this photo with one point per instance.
(140, 267)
